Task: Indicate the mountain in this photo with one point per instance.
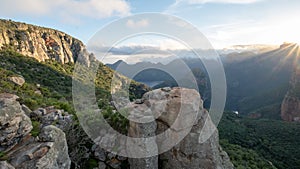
(257, 82)
(42, 43)
(158, 75)
(290, 107)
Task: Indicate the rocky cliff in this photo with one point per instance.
(189, 153)
(42, 43)
(290, 107)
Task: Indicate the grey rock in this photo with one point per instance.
(111, 156)
(43, 43)
(52, 116)
(84, 57)
(99, 153)
(166, 89)
(179, 110)
(138, 101)
(14, 124)
(101, 165)
(51, 152)
(59, 151)
(26, 110)
(142, 130)
(5, 165)
(121, 158)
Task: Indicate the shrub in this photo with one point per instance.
(36, 128)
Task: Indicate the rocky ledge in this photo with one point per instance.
(22, 151)
(179, 110)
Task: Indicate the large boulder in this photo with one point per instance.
(190, 153)
(181, 111)
(50, 152)
(18, 80)
(14, 123)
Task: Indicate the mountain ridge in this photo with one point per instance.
(42, 43)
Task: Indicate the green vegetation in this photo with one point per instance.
(36, 128)
(269, 140)
(54, 81)
(2, 154)
(116, 120)
(92, 163)
(243, 158)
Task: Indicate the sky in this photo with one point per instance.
(223, 22)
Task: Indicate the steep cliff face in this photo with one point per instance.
(42, 43)
(290, 108)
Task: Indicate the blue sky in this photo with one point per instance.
(223, 22)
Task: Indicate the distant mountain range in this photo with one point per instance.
(257, 76)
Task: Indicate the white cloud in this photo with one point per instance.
(137, 24)
(224, 35)
(274, 30)
(142, 48)
(170, 44)
(223, 1)
(65, 9)
(181, 4)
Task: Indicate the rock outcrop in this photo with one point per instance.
(49, 152)
(290, 107)
(52, 116)
(42, 43)
(21, 150)
(14, 124)
(177, 109)
(18, 80)
(5, 165)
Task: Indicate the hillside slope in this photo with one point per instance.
(43, 81)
